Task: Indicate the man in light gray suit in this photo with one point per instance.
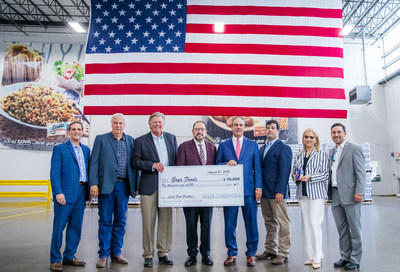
(346, 188)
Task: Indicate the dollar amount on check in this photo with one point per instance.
(201, 186)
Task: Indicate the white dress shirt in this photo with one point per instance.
(234, 141)
(203, 145)
(335, 163)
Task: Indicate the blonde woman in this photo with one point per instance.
(310, 172)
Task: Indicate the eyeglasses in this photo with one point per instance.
(333, 156)
(199, 129)
(311, 137)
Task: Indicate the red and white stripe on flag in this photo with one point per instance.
(275, 58)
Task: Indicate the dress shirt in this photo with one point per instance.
(268, 146)
(335, 163)
(162, 150)
(203, 145)
(122, 156)
(81, 162)
(234, 141)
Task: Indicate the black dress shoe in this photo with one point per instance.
(207, 260)
(165, 260)
(340, 263)
(191, 260)
(351, 266)
(148, 262)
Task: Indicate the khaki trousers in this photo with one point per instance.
(149, 208)
(277, 224)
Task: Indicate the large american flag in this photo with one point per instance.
(274, 58)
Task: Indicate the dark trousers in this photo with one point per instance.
(112, 220)
(69, 215)
(192, 215)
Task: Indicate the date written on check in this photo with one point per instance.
(201, 186)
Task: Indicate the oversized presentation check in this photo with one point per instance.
(201, 186)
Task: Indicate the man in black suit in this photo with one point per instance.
(197, 152)
(152, 152)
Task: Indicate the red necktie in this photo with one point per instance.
(238, 148)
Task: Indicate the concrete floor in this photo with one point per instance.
(25, 230)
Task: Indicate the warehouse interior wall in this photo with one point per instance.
(376, 123)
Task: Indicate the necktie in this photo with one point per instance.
(238, 148)
(202, 156)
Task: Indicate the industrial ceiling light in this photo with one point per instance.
(219, 27)
(77, 27)
(347, 29)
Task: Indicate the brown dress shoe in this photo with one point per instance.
(119, 259)
(56, 266)
(73, 262)
(101, 263)
(265, 256)
(251, 261)
(279, 260)
(231, 260)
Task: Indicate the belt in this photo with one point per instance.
(82, 183)
(121, 180)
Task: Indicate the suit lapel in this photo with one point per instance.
(152, 145)
(111, 139)
(244, 146)
(312, 155)
(345, 148)
(128, 147)
(193, 150)
(232, 149)
(269, 152)
(169, 144)
(71, 149)
(210, 153)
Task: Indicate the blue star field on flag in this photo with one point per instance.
(123, 26)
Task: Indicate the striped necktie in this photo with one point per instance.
(202, 155)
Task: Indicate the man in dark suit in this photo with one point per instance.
(197, 152)
(112, 179)
(68, 175)
(346, 189)
(276, 160)
(152, 152)
(240, 150)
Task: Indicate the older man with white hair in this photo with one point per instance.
(112, 179)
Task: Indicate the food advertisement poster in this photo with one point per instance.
(219, 128)
(41, 92)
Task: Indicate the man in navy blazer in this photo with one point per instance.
(197, 152)
(276, 160)
(112, 179)
(152, 152)
(68, 175)
(240, 150)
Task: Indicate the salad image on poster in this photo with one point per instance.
(42, 89)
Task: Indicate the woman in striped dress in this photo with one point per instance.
(311, 192)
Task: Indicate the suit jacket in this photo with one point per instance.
(145, 155)
(318, 168)
(275, 168)
(188, 154)
(350, 174)
(64, 171)
(249, 157)
(104, 164)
